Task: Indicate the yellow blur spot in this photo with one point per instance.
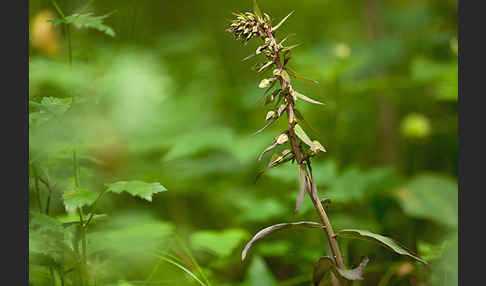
(43, 35)
(342, 51)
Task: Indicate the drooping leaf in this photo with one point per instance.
(326, 263)
(87, 20)
(282, 21)
(266, 150)
(268, 230)
(78, 198)
(220, 243)
(264, 127)
(383, 240)
(303, 136)
(266, 65)
(136, 188)
(275, 160)
(302, 185)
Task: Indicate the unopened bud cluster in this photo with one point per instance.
(248, 25)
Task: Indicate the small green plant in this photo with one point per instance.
(61, 245)
(301, 148)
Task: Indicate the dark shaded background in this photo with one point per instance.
(169, 100)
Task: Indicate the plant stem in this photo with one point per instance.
(36, 186)
(300, 158)
(91, 209)
(84, 262)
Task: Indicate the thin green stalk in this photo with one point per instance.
(182, 268)
(91, 209)
(36, 187)
(70, 49)
(84, 262)
(53, 276)
(188, 253)
(68, 30)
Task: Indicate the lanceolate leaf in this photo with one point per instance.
(303, 97)
(302, 185)
(78, 198)
(264, 127)
(267, 64)
(290, 48)
(266, 150)
(136, 188)
(282, 21)
(303, 136)
(383, 240)
(275, 161)
(266, 231)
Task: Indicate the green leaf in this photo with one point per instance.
(87, 21)
(136, 188)
(430, 196)
(268, 230)
(267, 64)
(47, 245)
(53, 105)
(303, 136)
(78, 198)
(282, 21)
(219, 243)
(383, 240)
(289, 48)
(303, 97)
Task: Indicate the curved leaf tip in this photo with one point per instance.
(266, 231)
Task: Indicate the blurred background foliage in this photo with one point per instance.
(160, 94)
